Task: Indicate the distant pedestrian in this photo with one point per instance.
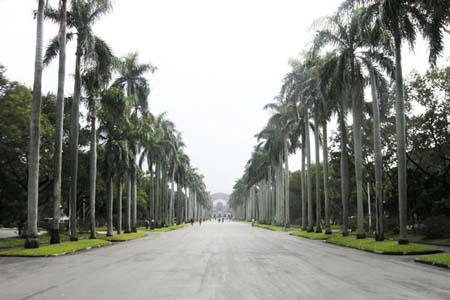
(200, 221)
(192, 221)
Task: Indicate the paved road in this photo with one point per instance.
(221, 261)
(7, 232)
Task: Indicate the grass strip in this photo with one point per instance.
(11, 242)
(44, 239)
(274, 227)
(123, 237)
(311, 235)
(440, 259)
(56, 249)
(384, 247)
(170, 228)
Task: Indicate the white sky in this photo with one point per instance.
(219, 63)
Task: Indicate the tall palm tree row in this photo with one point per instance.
(127, 142)
(357, 46)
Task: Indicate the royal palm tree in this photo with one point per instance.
(33, 163)
(345, 35)
(131, 78)
(55, 239)
(94, 80)
(402, 19)
(113, 125)
(80, 18)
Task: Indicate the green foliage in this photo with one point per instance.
(57, 249)
(15, 109)
(384, 247)
(436, 227)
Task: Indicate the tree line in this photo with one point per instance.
(121, 150)
(358, 46)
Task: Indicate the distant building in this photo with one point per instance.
(220, 207)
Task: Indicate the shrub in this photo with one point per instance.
(436, 227)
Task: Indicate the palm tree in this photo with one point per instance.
(131, 78)
(54, 239)
(314, 100)
(113, 126)
(93, 80)
(402, 19)
(327, 106)
(293, 89)
(33, 164)
(346, 36)
(309, 173)
(81, 18)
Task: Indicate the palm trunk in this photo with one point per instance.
(357, 147)
(93, 168)
(286, 184)
(318, 195)
(133, 200)
(128, 204)
(186, 205)
(345, 179)
(35, 132)
(55, 239)
(164, 196)
(157, 192)
(118, 204)
(109, 203)
(379, 235)
(172, 196)
(401, 141)
(325, 177)
(309, 179)
(151, 204)
(270, 196)
(303, 187)
(74, 135)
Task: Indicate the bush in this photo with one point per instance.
(436, 227)
(391, 225)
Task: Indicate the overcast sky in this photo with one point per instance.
(219, 63)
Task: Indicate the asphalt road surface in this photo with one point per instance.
(7, 232)
(221, 261)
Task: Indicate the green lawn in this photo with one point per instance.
(311, 235)
(170, 228)
(56, 249)
(11, 242)
(44, 239)
(275, 227)
(440, 259)
(437, 242)
(124, 236)
(336, 227)
(385, 247)
(417, 237)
